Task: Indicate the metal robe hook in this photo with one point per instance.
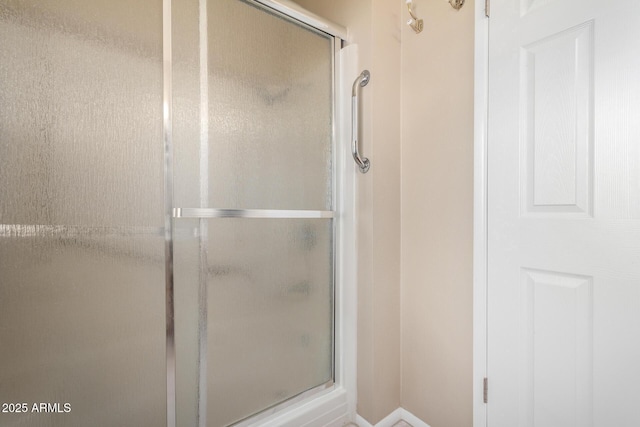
(456, 4)
(415, 23)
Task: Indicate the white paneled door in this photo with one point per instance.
(564, 213)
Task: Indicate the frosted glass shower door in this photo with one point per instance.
(82, 298)
(254, 217)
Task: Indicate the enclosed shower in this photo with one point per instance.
(172, 211)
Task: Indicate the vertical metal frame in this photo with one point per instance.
(203, 235)
(168, 213)
(335, 202)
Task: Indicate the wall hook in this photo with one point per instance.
(456, 4)
(415, 23)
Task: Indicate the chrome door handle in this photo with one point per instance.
(361, 81)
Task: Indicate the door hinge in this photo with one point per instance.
(487, 4)
(485, 390)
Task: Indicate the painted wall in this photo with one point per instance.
(437, 215)
(375, 26)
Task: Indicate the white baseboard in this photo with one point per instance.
(392, 418)
(412, 419)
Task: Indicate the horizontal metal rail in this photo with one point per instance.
(249, 213)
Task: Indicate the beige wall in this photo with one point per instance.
(383, 313)
(416, 219)
(437, 215)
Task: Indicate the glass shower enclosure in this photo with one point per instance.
(167, 212)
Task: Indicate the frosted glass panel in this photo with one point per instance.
(269, 308)
(81, 112)
(188, 268)
(265, 138)
(82, 297)
(270, 313)
(82, 315)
